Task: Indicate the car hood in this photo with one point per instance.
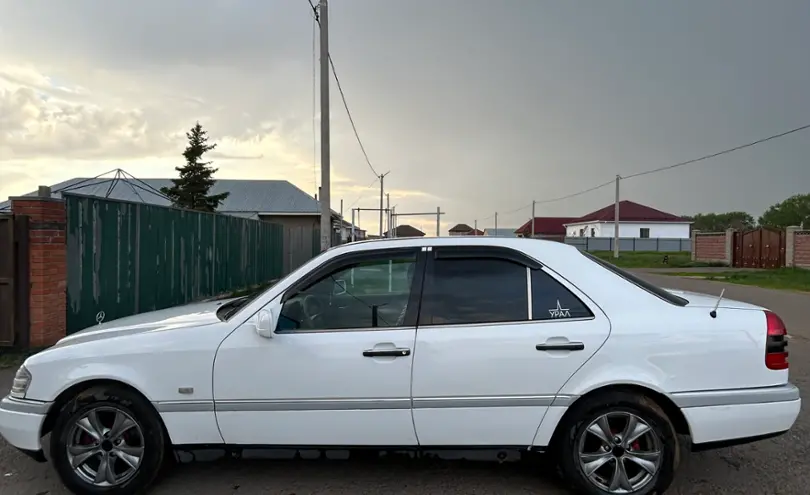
(699, 300)
(189, 315)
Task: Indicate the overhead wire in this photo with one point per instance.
(343, 97)
(666, 167)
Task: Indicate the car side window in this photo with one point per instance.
(553, 301)
(474, 290)
(365, 294)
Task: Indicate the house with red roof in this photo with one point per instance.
(545, 227)
(635, 220)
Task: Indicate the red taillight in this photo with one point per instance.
(776, 354)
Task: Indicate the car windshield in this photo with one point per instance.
(651, 288)
(229, 310)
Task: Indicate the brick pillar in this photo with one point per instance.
(47, 253)
(694, 244)
(729, 247)
(790, 245)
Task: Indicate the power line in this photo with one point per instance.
(713, 155)
(363, 193)
(343, 98)
(667, 167)
(351, 119)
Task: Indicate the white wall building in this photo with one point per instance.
(635, 220)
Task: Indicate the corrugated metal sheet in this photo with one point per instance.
(250, 196)
(126, 258)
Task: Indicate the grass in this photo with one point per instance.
(652, 259)
(781, 278)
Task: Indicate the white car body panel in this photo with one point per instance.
(314, 388)
(298, 389)
(488, 384)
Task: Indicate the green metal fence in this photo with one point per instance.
(126, 258)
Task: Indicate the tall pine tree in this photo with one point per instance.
(191, 189)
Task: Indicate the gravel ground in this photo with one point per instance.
(774, 466)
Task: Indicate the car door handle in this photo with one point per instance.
(568, 346)
(396, 352)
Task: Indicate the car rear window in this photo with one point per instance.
(651, 288)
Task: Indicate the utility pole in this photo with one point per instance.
(341, 221)
(353, 239)
(438, 221)
(382, 191)
(475, 228)
(496, 223)
(388, 213)
(616, 221)
(532, 234)
(326, 209)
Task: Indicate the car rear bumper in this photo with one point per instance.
(739, 416)
(21, 423)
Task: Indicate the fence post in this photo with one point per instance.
(47, 249)
(729, 247)
(790, 245)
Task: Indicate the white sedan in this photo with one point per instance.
(457, 343)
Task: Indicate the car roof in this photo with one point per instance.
(545, 251)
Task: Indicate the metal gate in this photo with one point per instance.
(759, 248)
(13, 281)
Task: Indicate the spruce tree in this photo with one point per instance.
(190, 190)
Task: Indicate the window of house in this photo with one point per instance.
(593, 232)
(553, 301)
(644, 233)
(474, 290)
(370, 294)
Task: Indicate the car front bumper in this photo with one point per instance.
(21, 423)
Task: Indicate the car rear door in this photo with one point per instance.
(498, 335)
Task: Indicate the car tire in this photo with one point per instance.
(108, 427)
(595, 466)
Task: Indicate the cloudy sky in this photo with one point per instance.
(473, 105)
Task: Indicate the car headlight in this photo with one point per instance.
(21, 382)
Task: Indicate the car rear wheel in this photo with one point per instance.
(619, 443)
(108, 440)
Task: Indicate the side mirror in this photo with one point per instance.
(340, 288)
(264, 324)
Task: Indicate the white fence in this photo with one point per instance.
(662, 245)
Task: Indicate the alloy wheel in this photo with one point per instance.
(105, 446)
(619, 452)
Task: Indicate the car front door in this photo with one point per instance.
(337, 370)
(498, 336)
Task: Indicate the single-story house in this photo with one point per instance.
(464, 229)
(404, 231)
(460, 229)
(545, 227)
(276, 201)
(635, 220)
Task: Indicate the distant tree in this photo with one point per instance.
(718, 222)
(793, 211)
(191, 189)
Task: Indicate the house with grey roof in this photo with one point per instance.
(276, 201)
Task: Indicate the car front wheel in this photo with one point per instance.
(619, 443)
(107, 440)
